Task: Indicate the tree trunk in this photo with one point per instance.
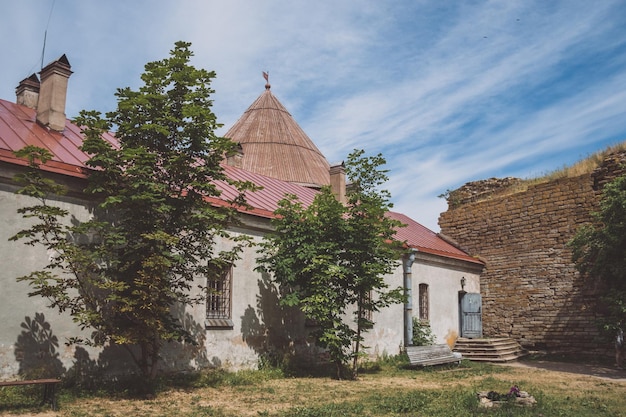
(357, 342)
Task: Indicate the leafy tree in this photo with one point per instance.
(330, 259)
(599, 251)
(154, 227)
(422, 333)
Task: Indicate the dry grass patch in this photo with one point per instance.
(388, 390)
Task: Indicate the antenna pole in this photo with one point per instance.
(45, 34)
(43, 50)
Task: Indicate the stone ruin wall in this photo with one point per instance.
(531, 290)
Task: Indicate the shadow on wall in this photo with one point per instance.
(577, 327)
(277, 333)
(188, 354)
(37, 349)
(37, 352)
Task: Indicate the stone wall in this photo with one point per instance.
(531, 289)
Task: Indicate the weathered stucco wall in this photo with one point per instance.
(33, 336)
(531, 289)
(443, 278)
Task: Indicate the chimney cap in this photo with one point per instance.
(27, 92)
(32, 81)
(63, 60)
(61, 64)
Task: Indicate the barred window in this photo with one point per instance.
(423, 301)
(366, 313)
(219, 299)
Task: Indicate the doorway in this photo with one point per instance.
(470, 312)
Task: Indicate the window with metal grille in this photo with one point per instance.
(366, 312)
(219, 299)
(423, 301)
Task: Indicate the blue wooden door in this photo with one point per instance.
(471, 316)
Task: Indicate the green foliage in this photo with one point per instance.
(24, 398)
(599, 250)
(422, 333)
(329, 257)
(154, 229)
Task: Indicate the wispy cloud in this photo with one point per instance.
(448, 92)
(499, 92)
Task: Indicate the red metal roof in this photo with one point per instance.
(264, 201)
(18, 128)
(425, 240)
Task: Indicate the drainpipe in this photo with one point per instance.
(408, 292)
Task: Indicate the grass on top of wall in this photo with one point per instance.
(583, 167)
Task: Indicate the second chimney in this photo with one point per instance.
(235, 159)
(27, 92)
(52, 94)
(338, 182)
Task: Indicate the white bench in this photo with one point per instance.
(432, 355)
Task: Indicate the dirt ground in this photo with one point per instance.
(596, 370)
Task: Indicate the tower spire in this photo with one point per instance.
(274, 145)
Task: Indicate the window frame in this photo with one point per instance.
(424, 302)
(219, 299)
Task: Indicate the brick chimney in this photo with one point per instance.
(235, 159)
(52, 94)
(27, 92)
(338, 182)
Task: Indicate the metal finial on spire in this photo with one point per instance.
(266, 75)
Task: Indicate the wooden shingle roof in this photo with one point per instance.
(275, 145)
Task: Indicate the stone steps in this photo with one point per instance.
(489, 350)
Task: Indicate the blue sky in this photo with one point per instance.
(447, 91)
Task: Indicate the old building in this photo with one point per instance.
(245, 320)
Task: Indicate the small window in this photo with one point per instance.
(219, 299)
(367, 313)
(423, 301)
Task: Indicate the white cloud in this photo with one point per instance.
(448, 92)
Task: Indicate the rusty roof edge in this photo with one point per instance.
(445, 254)
(50, 166)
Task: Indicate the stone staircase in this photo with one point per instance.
(489, 350)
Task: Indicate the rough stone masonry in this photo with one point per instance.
(531, 290)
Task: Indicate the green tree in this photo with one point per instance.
(154, 227)
(599, 251)
(331, 260)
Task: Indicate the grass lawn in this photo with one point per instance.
(383, 389)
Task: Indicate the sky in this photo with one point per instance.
(447, 91)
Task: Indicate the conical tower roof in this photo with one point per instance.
(274, 145)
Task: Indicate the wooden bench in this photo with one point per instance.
(49, 389)
(432, 355)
